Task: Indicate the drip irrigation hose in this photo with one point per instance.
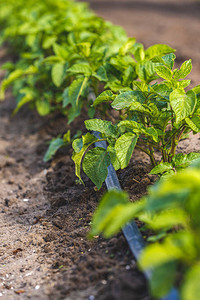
(131, 232)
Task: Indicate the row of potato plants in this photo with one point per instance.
(64, 57)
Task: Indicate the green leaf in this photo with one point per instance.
(108, 202)
(104, 97)
(169, 60)
(163, 72)
(156, 255)
(152, 132)
(76, 89)
(183, 161)
(162, 90)
(43, 107)
(113, 156)
(138, 52)
(101, 74)
(194, 123)
(66, 98)
(158, 50)
(137, 106)
(84, 48)
(185, 69)
(145, 71)
(60, 51)
(52, 59)
(57, 74)
(125, 99)
(67, 136)
(183, 83)
(167, 219)
(27, 95)
(105, 127)
(82, 68)
(183, 104)
(124, 147)
(162, 279)
(191, 288)
(81, 145)
(120, 216)
(53, 148)
(73, 112)
(131, 124)
(129, 75)
(77, 145)
(161, 168)
(10, 79)
(48, 41)
(127, 46)
(95, 164)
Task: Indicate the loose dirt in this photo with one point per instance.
(45, 215)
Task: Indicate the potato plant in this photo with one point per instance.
(62, 50)
(171, 212)
(154, 118)
(62, 53)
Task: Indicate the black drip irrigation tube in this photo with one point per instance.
(131, 232)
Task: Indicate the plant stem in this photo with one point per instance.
(152, 158)
(143, 150)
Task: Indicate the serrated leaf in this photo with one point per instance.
(185, 69)
(124, 147)
(104, 97)
(95, 164)
(53, 148)
(57, 74)
(76, 89)
(125, 99)
(183, 104)
(163, 72)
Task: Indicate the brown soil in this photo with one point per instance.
(45, 215)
